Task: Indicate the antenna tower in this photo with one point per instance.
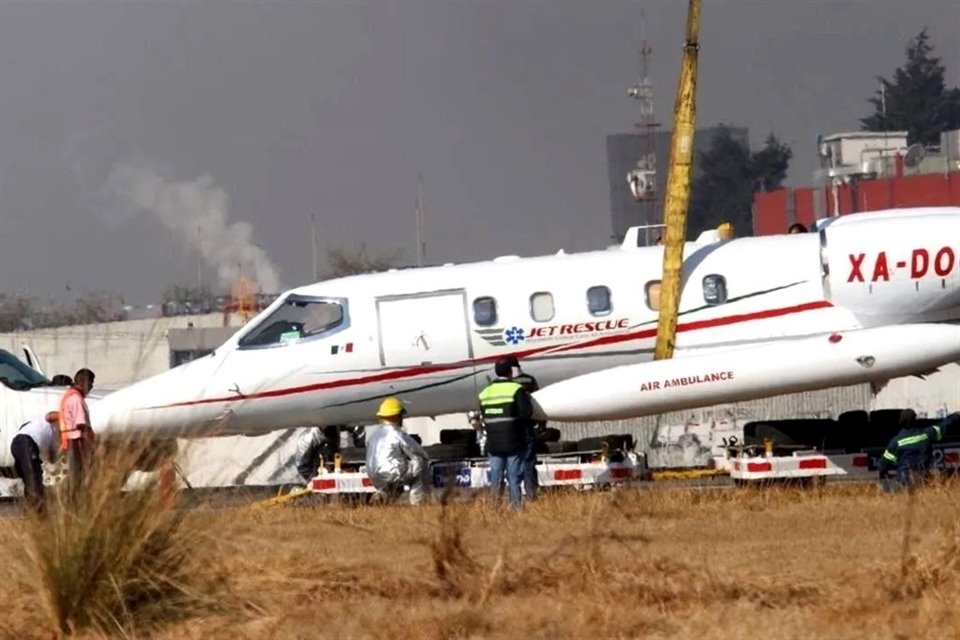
(643, 179)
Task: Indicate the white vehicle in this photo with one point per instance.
(866, 297)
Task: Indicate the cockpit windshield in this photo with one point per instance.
(296, 318)
(16, 375)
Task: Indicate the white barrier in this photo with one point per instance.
(811, 464)
(468, 475)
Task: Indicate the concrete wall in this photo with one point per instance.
(119, 353)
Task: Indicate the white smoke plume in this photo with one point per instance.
(197, 213)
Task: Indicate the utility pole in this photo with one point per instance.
(883, 102)
(421, 243)
(199, 261)
(643, 179)
(313, 243)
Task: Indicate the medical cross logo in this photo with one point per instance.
(513, 335)
(498, 337)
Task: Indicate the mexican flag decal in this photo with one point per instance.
(341, 348)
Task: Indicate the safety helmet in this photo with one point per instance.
(391, 408)
(907, 417)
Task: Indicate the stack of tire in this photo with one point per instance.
(460, 444)
(455, 444)
(851, 432)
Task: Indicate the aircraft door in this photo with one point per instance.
(425, 328)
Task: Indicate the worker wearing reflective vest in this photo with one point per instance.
(76, 434)
(506, 408)
(531, 430)
(911, 450)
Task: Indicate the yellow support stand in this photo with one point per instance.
(678, 188)
(689, 474)
(282, 498)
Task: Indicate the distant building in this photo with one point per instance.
(865, 171)
(624, 151)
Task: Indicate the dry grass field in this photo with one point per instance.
(845, 561)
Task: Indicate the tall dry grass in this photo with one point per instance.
(113, 561)
(787, 562)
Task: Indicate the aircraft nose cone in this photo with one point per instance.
(149, 405)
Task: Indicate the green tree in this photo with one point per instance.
(916, 100)
(770, 164)
(728, 176)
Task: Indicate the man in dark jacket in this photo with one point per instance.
(531, 429)
(911, 450)
(506, 409)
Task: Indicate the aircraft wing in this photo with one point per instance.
(778, 367)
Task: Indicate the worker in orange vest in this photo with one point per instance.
(76, 434)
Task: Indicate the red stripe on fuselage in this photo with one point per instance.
(698, 324)
(421, 370)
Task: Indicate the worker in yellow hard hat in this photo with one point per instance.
(726, 231)
(391, 409)
(394, 459)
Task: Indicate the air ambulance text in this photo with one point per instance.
(668, 383)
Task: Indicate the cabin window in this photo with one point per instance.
(598, 300)
(714, 289)
(485, 311)
(297, 318)
(541, 306)
(652, 293)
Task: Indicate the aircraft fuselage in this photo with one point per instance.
(327, 353)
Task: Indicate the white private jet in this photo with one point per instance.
(863, 298)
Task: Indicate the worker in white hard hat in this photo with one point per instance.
(394, 459)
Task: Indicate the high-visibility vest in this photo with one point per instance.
(67, 434)
(505, 434)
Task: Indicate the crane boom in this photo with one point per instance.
(678, 187)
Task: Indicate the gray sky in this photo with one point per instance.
(111, 113)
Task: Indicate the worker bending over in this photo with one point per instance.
(310, 446)
(911, 450)
(394, 459)
(35, 443)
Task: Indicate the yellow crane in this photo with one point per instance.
(678, 188)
